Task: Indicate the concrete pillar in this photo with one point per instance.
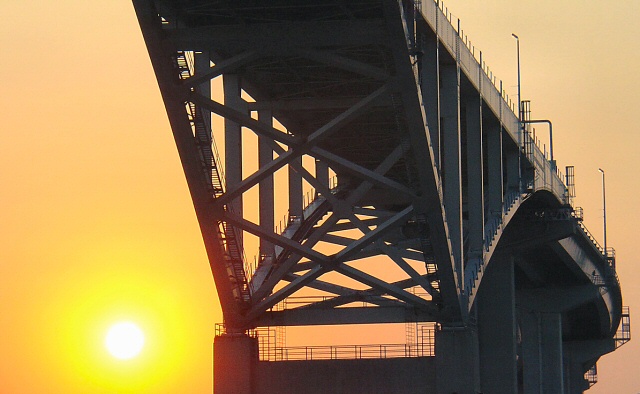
(497, 327)
(578, 357)
(574, 370)
(475, 182)
(430, 87)
(552, 366)
(451, 163)
(543, 369)
(295, 190)
(265, 191)
(233, 139)
(235, 357)
(456, 361)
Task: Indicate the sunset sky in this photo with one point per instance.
(96, 221)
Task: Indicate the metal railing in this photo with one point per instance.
(270, 349)
(591, 375)
(348, 352)
(623, 334)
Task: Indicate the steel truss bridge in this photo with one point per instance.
(412, 187)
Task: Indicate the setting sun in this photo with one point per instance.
(124, 340)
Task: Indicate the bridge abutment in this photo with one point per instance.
(457, 361)
(238, 370)
(234, 360)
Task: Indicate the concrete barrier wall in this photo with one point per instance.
(375, 376)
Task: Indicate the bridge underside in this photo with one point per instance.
(403, 177)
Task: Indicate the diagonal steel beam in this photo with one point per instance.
(362, 172)
(225, 66)
(383, 286)
(286, 266)
(272, 135)
(279, 240)
(431, 203)
(407, 268)
(260, 128)
(344, 63)
(372, 236)
(283, 293)
(322, 285)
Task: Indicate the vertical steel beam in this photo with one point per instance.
(451, 161)
(233, 139)
(265, 191)
(322, 173)
(475, 174)
(202, 64)
(295, 189)
(430, 87)
(495, 192)
(511, 154)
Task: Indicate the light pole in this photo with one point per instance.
(604, 206)
(519, 84)
(520, 119)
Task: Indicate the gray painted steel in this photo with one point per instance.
(398, 148)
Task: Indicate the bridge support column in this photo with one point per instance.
(322, 173)
(542, 352)
(457, 361)
(475, 182)
(233, 138)
(495, 192)
(451, 162)
(295, 190)
(265, 190)
(497, 327)
(430, 87)
(512, 167)
(574, 381)
(234, 359)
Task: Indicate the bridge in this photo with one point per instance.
(413, 192)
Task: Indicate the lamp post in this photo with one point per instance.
(520, 118)
(519, 84)
(604, 206)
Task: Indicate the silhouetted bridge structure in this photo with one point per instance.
(413, 189)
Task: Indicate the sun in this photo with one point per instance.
(124, 340)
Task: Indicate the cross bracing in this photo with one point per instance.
(419, 173)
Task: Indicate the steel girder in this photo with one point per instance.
(345, 90)
(344, 87)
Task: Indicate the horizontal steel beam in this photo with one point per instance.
(360, 315)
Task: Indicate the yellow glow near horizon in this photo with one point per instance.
(124, 340)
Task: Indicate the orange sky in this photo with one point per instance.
(97, 224)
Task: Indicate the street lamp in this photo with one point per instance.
(519, 84)
(604, 206)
